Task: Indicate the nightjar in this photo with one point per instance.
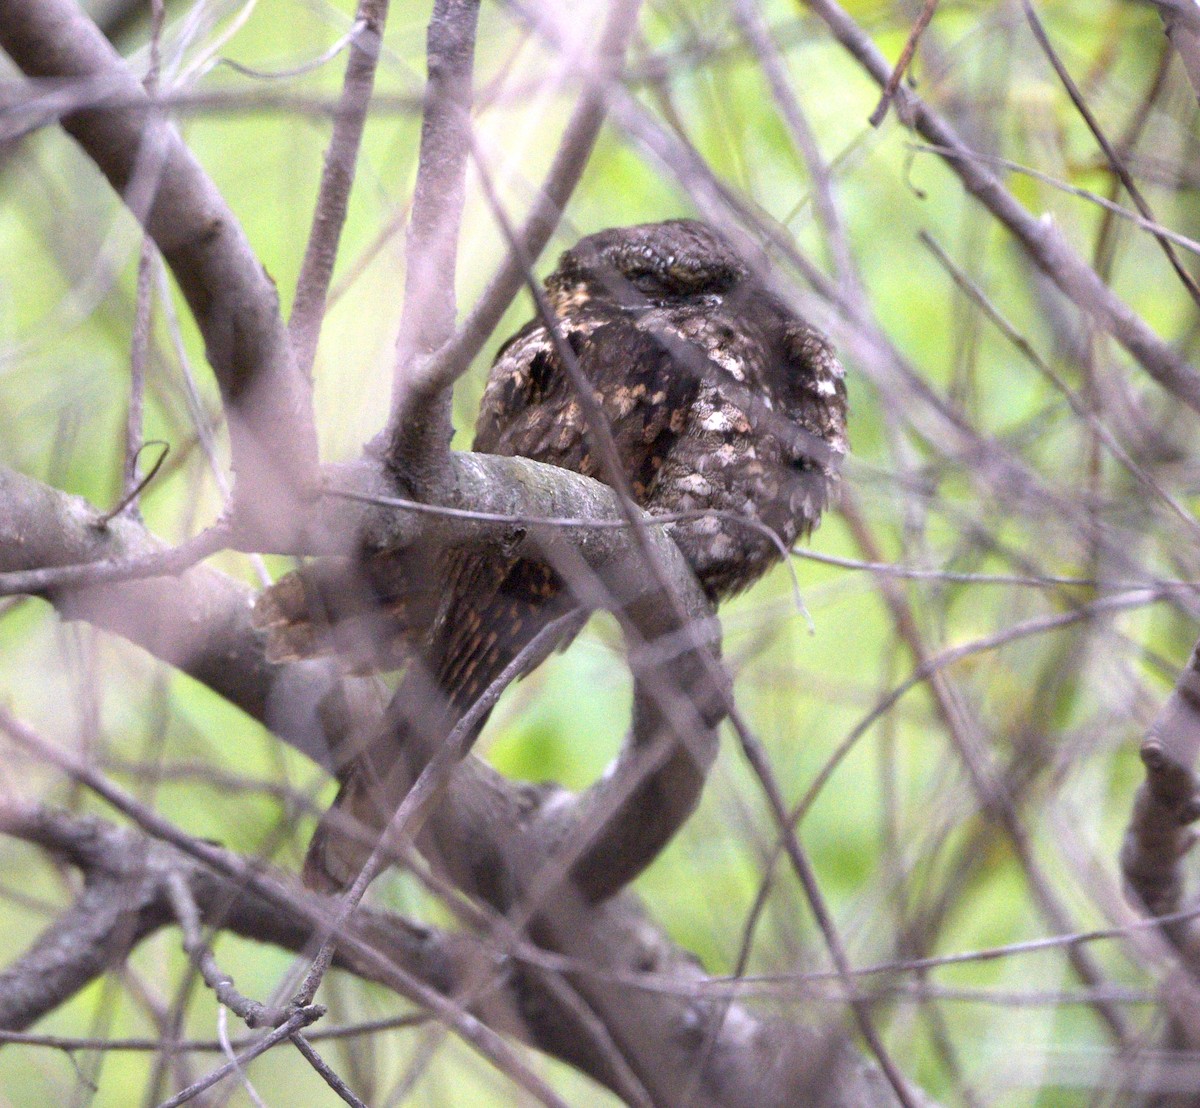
(720, 400)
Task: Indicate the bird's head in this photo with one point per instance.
(648, 264)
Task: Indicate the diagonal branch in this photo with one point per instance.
(337, 177)
(1041, 239)
(268, 403)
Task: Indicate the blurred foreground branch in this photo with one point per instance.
(646, 994)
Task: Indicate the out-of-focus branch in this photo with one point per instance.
(753, 1062)
(420, 429)
(1168, 801)
(1181, 22)
(268, 403)
(337, 178)
(279, 897)
(1042, 240)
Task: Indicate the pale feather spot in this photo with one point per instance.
(716, 421)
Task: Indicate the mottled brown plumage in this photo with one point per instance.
(719, 400)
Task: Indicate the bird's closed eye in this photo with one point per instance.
(648, 281)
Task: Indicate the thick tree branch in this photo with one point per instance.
(753, 1061)
(92, 936)
(201, 624)
(268, 402)
(254, 879)
(506, 844)
(198, 622)
(420, 429)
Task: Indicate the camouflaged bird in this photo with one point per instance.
(720, 400)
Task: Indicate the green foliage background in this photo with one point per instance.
(897, 828)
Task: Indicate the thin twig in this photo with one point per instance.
(139, 485)
(977, 297)
(1159, 230)
(227, 1046)
(254, 1013)
(1114, 159)
(337, 179)
(408, 816)
(140, 348)
(138, 358)
(923, 20)
(298, 1020)
(322, 1067)
(170, 562)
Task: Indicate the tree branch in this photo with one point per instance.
(419, 429)
(1040, 238)
(502, 842)
(337, 178)
(268, 402)
(453, 359)
(755, 1061)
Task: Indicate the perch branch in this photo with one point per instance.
(487, 825)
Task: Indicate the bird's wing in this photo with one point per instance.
(531, 406)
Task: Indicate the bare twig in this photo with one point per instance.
(1044, 243)
(138, 357)
(322, 1067)
(274, 1038)
(252, 1012)
(924, 17)
(90, 574)
(337, 178)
